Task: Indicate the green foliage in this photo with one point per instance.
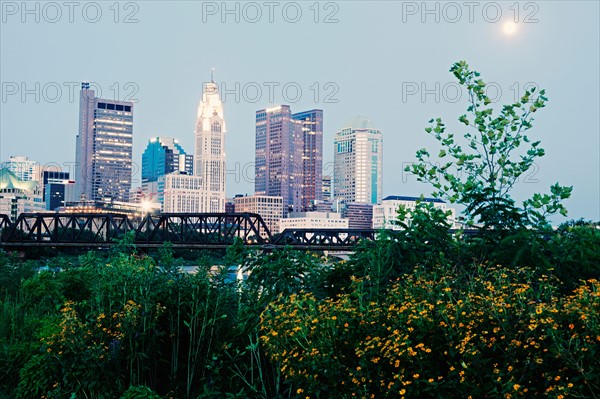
(12, 272)
(424, 239)
(140, 392)
(574, 252)
(481, 175)
(280, 272)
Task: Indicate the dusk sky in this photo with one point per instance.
(388, 60)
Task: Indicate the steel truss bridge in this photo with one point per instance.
(183, 230)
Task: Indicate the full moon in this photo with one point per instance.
(509, 28)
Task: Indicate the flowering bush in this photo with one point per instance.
(499, 333)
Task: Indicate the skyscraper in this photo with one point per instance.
(104, 147)
(209, 154)
(358, 160)
(289, 156)
(278, 156)
(312, 156)
(163, 155)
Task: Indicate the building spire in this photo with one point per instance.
(212, 75)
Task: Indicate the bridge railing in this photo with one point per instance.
(193, 230)
(203, 229)
(71, 228)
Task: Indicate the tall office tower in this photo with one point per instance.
(209, 156)
(23, 168)
(358, 162)
(289, 156)
(312, 156)
(104, 147)
(162, 156)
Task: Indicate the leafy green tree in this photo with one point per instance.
(574, 253)
(424, 239)
(482, 175)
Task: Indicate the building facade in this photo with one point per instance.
(17, 196)
(359, 215)
(58, 192)
(289, 156)
(103, 148)
(386, 214)
(209, 155)
(23, 168)
(326, 190)
(55, 176)
(270, 208)
(278, 156)
(358, 162)
(163, 155)
(313, 220)
(181, 193)
(311, 125)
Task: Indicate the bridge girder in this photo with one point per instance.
(183, 230)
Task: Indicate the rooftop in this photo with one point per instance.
(422, 199)
(359, 122)
(8, 180)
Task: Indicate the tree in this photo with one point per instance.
(481, 176)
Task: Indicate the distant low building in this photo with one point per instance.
(90, 206)
(181, 193)
(229, 205)
(23, 168)
(322, 206)
(57, 192)
(18, 196)
(270, 208)
(313, 220)
(54, 176)
(359, 215)
(385, 214)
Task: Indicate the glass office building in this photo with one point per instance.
(358, 162)
(164, 155)
(104, 148)
(289, 156)
(312, 156)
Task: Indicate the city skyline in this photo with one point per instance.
(401, 89)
